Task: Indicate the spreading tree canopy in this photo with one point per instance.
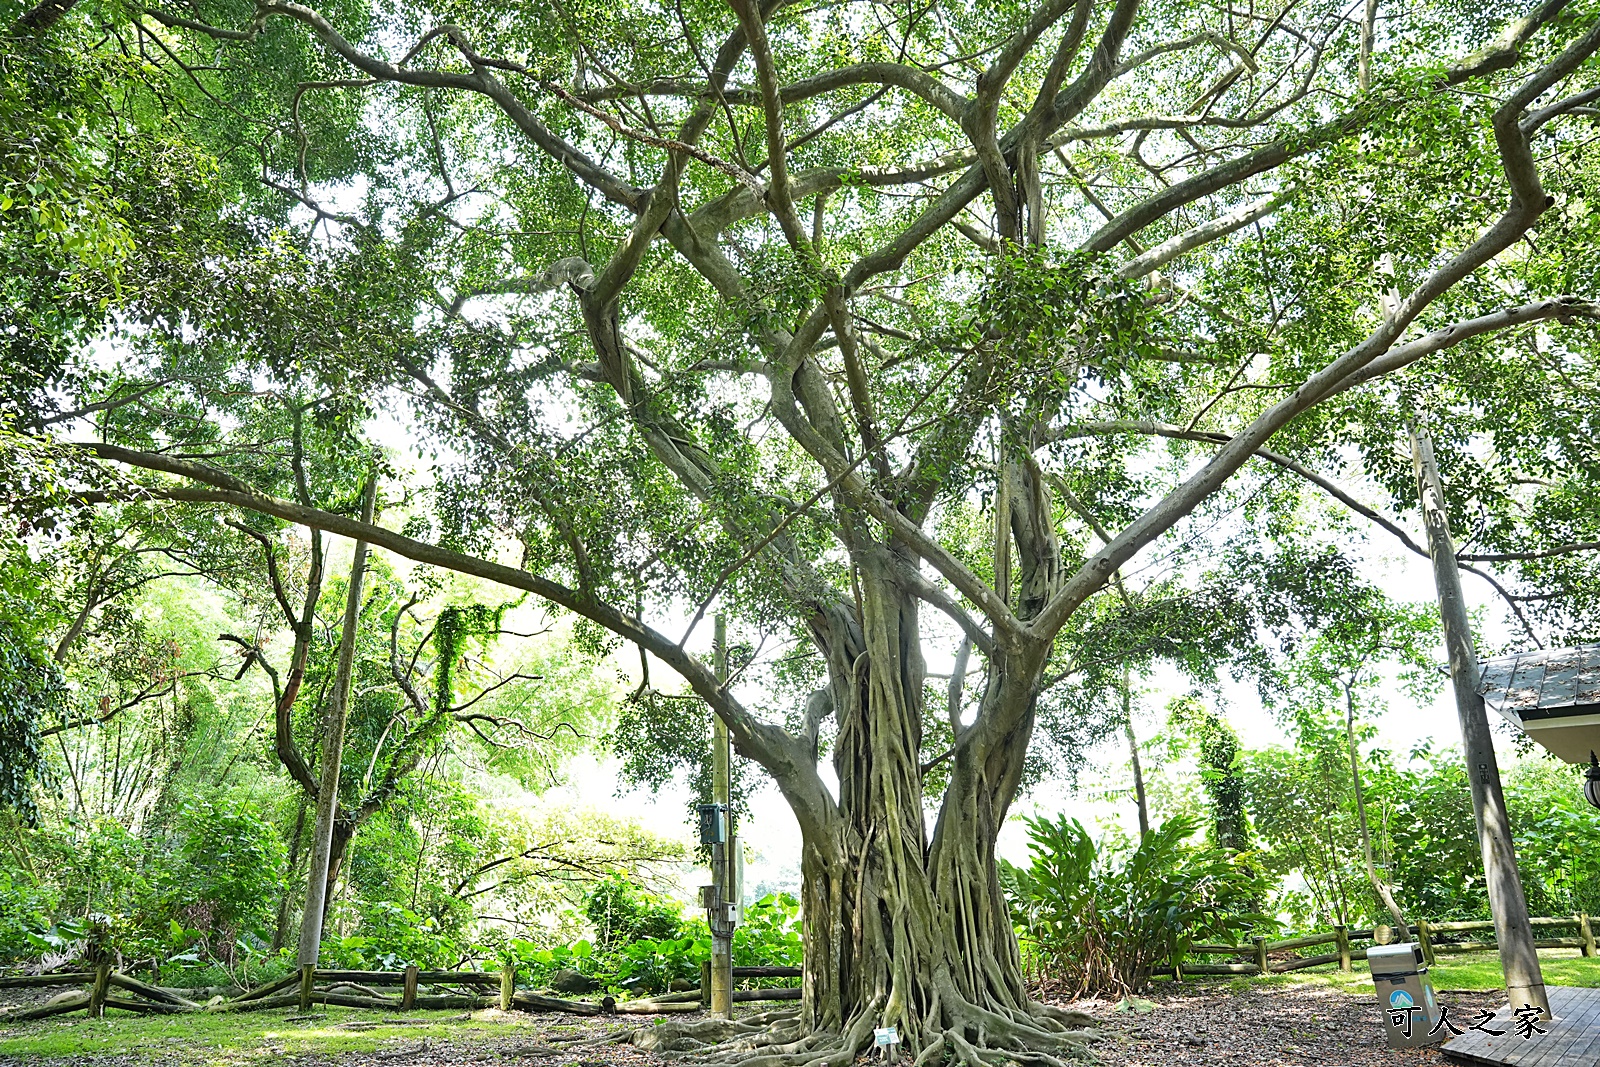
(868, 325)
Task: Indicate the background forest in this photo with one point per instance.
(164, 805)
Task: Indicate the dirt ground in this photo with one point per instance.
(1193, 1027)
(1297, 1027)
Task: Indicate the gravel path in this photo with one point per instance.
(1295, 1027)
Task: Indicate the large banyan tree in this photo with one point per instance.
(868, 324)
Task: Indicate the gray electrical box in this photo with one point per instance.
(1405, 996)
(713, 824)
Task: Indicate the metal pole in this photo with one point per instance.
(332, 754)
(721, 793)
(1518, 957)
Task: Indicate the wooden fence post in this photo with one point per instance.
(508, 984)
(1425, 941)
(97, 995)
(705, 985)
(308, 979)
(408, 999)
(1261, 953)
(1341, 938)
(1587, 933)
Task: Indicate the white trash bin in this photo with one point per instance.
(1405, 994)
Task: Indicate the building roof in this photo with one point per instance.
(1549, 683)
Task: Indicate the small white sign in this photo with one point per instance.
(886, 1035)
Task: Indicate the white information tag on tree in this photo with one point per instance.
(886, 1035)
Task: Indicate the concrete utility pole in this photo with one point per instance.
(1518, 957)
(722, 922)
(332, 756)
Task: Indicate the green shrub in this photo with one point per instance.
(27, 913)
(1097, 919)
(229, 870)
(392, 936)
(768, 935)
(621, 913)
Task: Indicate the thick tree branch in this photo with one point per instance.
(781, 754)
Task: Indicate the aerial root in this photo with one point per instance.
(691, 1036)
(1069, 1018)
(1038, 1031)
(1036, 1036)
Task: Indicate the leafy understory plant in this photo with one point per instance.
(1096, 919)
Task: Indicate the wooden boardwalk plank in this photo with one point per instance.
(1581, 1020)
(1574, 1013)
(1571, 1040)
(1584, 1049)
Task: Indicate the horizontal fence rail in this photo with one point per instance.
(1256, 957)
(359, 989)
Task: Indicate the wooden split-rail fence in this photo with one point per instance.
(108, 988)
(1267, 957)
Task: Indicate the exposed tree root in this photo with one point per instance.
(1043, 1036)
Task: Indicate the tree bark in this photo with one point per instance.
(322, 867)
(1518, 957)
(1133, 755)
(905, 929)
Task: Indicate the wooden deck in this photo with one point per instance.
(1572, 1040)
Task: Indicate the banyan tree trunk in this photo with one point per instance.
(904, 928)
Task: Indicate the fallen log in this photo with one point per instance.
(150, 992)
(260, 1003)
(655, 1007)
(147, 1007)
(454, 1000)
(792, 992)
(270, 988)
(70, 1002)
(34, 981)
(535, 1002)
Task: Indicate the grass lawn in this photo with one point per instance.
(1475, 971)
(235, 1040)
(239, 1038)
